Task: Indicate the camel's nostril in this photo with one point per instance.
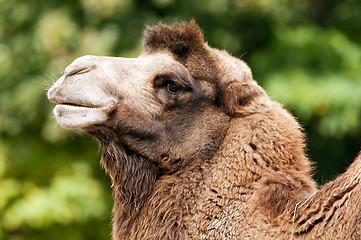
(78, 70)
(80, 66)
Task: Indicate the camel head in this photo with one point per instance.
(171, 104)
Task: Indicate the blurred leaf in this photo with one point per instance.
(70, 197)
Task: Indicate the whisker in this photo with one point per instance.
(243, 54)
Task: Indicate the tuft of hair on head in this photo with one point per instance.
(181, 38)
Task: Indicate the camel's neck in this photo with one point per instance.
(132, 178)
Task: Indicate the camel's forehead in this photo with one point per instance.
(157, 60)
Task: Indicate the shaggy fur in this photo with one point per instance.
(218, 159)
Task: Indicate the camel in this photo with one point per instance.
(196, 149)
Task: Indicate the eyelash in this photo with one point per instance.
(165, 82)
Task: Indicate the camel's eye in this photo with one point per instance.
(173, 88)
(170, 82)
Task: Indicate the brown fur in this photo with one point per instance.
(216, 159)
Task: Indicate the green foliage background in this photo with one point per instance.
(306, 54)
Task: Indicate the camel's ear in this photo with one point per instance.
(242, 99)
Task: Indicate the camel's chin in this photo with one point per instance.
(69, 117)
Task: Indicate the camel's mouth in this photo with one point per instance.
(75, 104)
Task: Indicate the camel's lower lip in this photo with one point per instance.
(79, 116)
